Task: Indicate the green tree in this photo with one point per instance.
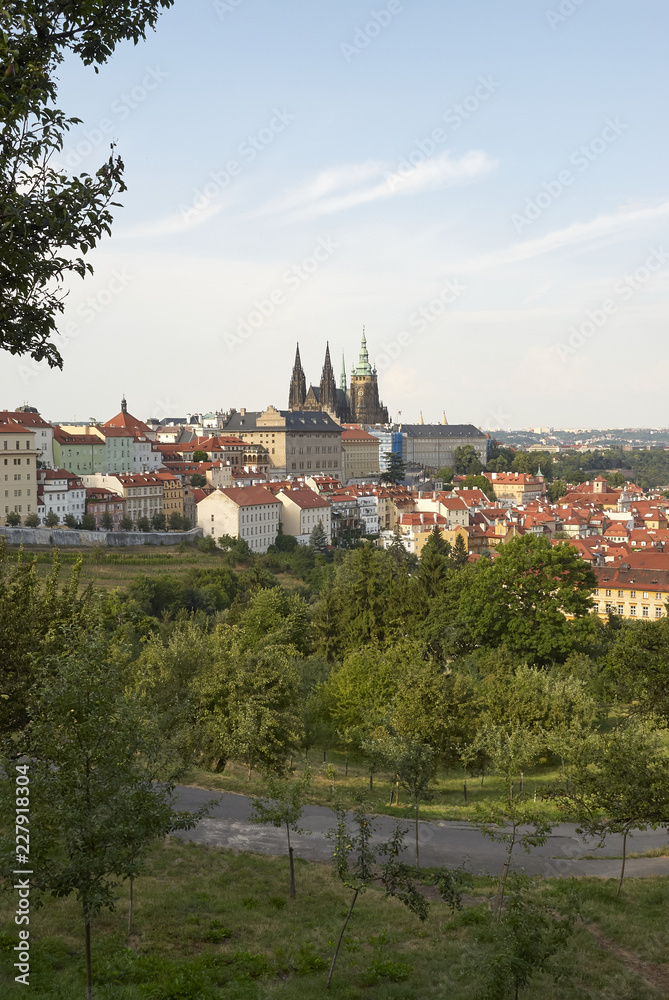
(101, 783)
(535, 598)
(434, 561)
(107, 521)
(446, 474)
(175, 521)
(125, 523)
(396, 471)
(360, 864)
(283, 806)
(617, 783)
(70, 521)
(31, 521)
(237, 549)
(467, 461)
(638, 667)
(200, 456)
(198, 480)
(460, 553)
(358, 693)
(50, 220)
(159, 521)
(471, 482)
(143, 523)
(318, 540)
(13, 519)
(88, 522)
(556, 490)
(51, 519)
(284, 542)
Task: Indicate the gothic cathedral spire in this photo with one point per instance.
(298, 384)
(328, 390)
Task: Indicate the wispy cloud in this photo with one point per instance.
(171, 225)
(340, 188)
(603, 228)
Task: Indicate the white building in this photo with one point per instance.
(368, 507)
(145, 454)
(251, 513)
(60, 492)
(301, 511)
(143, 495)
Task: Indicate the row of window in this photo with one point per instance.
(18, 446)
(619, 609)
(632, 594)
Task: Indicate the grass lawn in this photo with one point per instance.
(447, 803)
(211, 923)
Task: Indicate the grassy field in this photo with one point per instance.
(210, 923)
(447, 803)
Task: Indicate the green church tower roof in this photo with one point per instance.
(363, 367)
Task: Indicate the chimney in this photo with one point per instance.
(242, 411)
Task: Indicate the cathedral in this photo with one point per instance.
(357, 404)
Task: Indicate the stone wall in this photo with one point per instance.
(68, 536)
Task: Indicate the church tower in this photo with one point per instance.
(366, 407)
(328, 390)
(298, 384)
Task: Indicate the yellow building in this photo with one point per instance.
(360, 453)
(631, 593)
(18, 472)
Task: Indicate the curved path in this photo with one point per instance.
(441, 842)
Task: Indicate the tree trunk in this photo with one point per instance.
(397, 791)
(346, 766)
(465, 791)
(324, 755)
(622, 870)
(417, 859)
(132, 882)
(334, 957)
(522, 778)
(292, 866)
(89, 966)
(371, 781)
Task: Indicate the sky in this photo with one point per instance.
(482, 185)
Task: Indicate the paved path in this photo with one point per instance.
(441, 842)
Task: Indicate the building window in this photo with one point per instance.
(632, 593)
(621, 609)
(644, 612)
(633, 610)
(621, 593)
(608, 593)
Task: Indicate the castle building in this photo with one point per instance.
(358, 403)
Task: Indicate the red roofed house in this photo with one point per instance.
(248, 512)
(100, 501)
(301, 511)
(143, 495)
(61, 493)
(127, 422)
(631, 592)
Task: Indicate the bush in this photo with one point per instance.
(207, 545)
(394, 972)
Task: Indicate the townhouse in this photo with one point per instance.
(18, 466)
(301, 511)
(251, 513)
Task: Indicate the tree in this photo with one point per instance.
(101, 784)
(175, 521)
(200, 456)
(527, 937)
(446, 474)
(414, 764)
(433, 567)
(471, 482)
(107, 521)
(396, 471)
(51, 519)
(125, 523)
(283, 806)
(318, 540)
(159, 521)
(515, 821)
(460, 553)
(556, 490)
(198, 480)
(31, 521)
(51, 220)
(70, 521)
(535, 598)
(617, 783)
(143, 523)
(88, 522)
(13, 519)
(638, 667)
(284, 542)
(467, 461)
(371, 864)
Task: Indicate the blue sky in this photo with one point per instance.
(484, 188)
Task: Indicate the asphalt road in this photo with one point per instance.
(440, 842)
